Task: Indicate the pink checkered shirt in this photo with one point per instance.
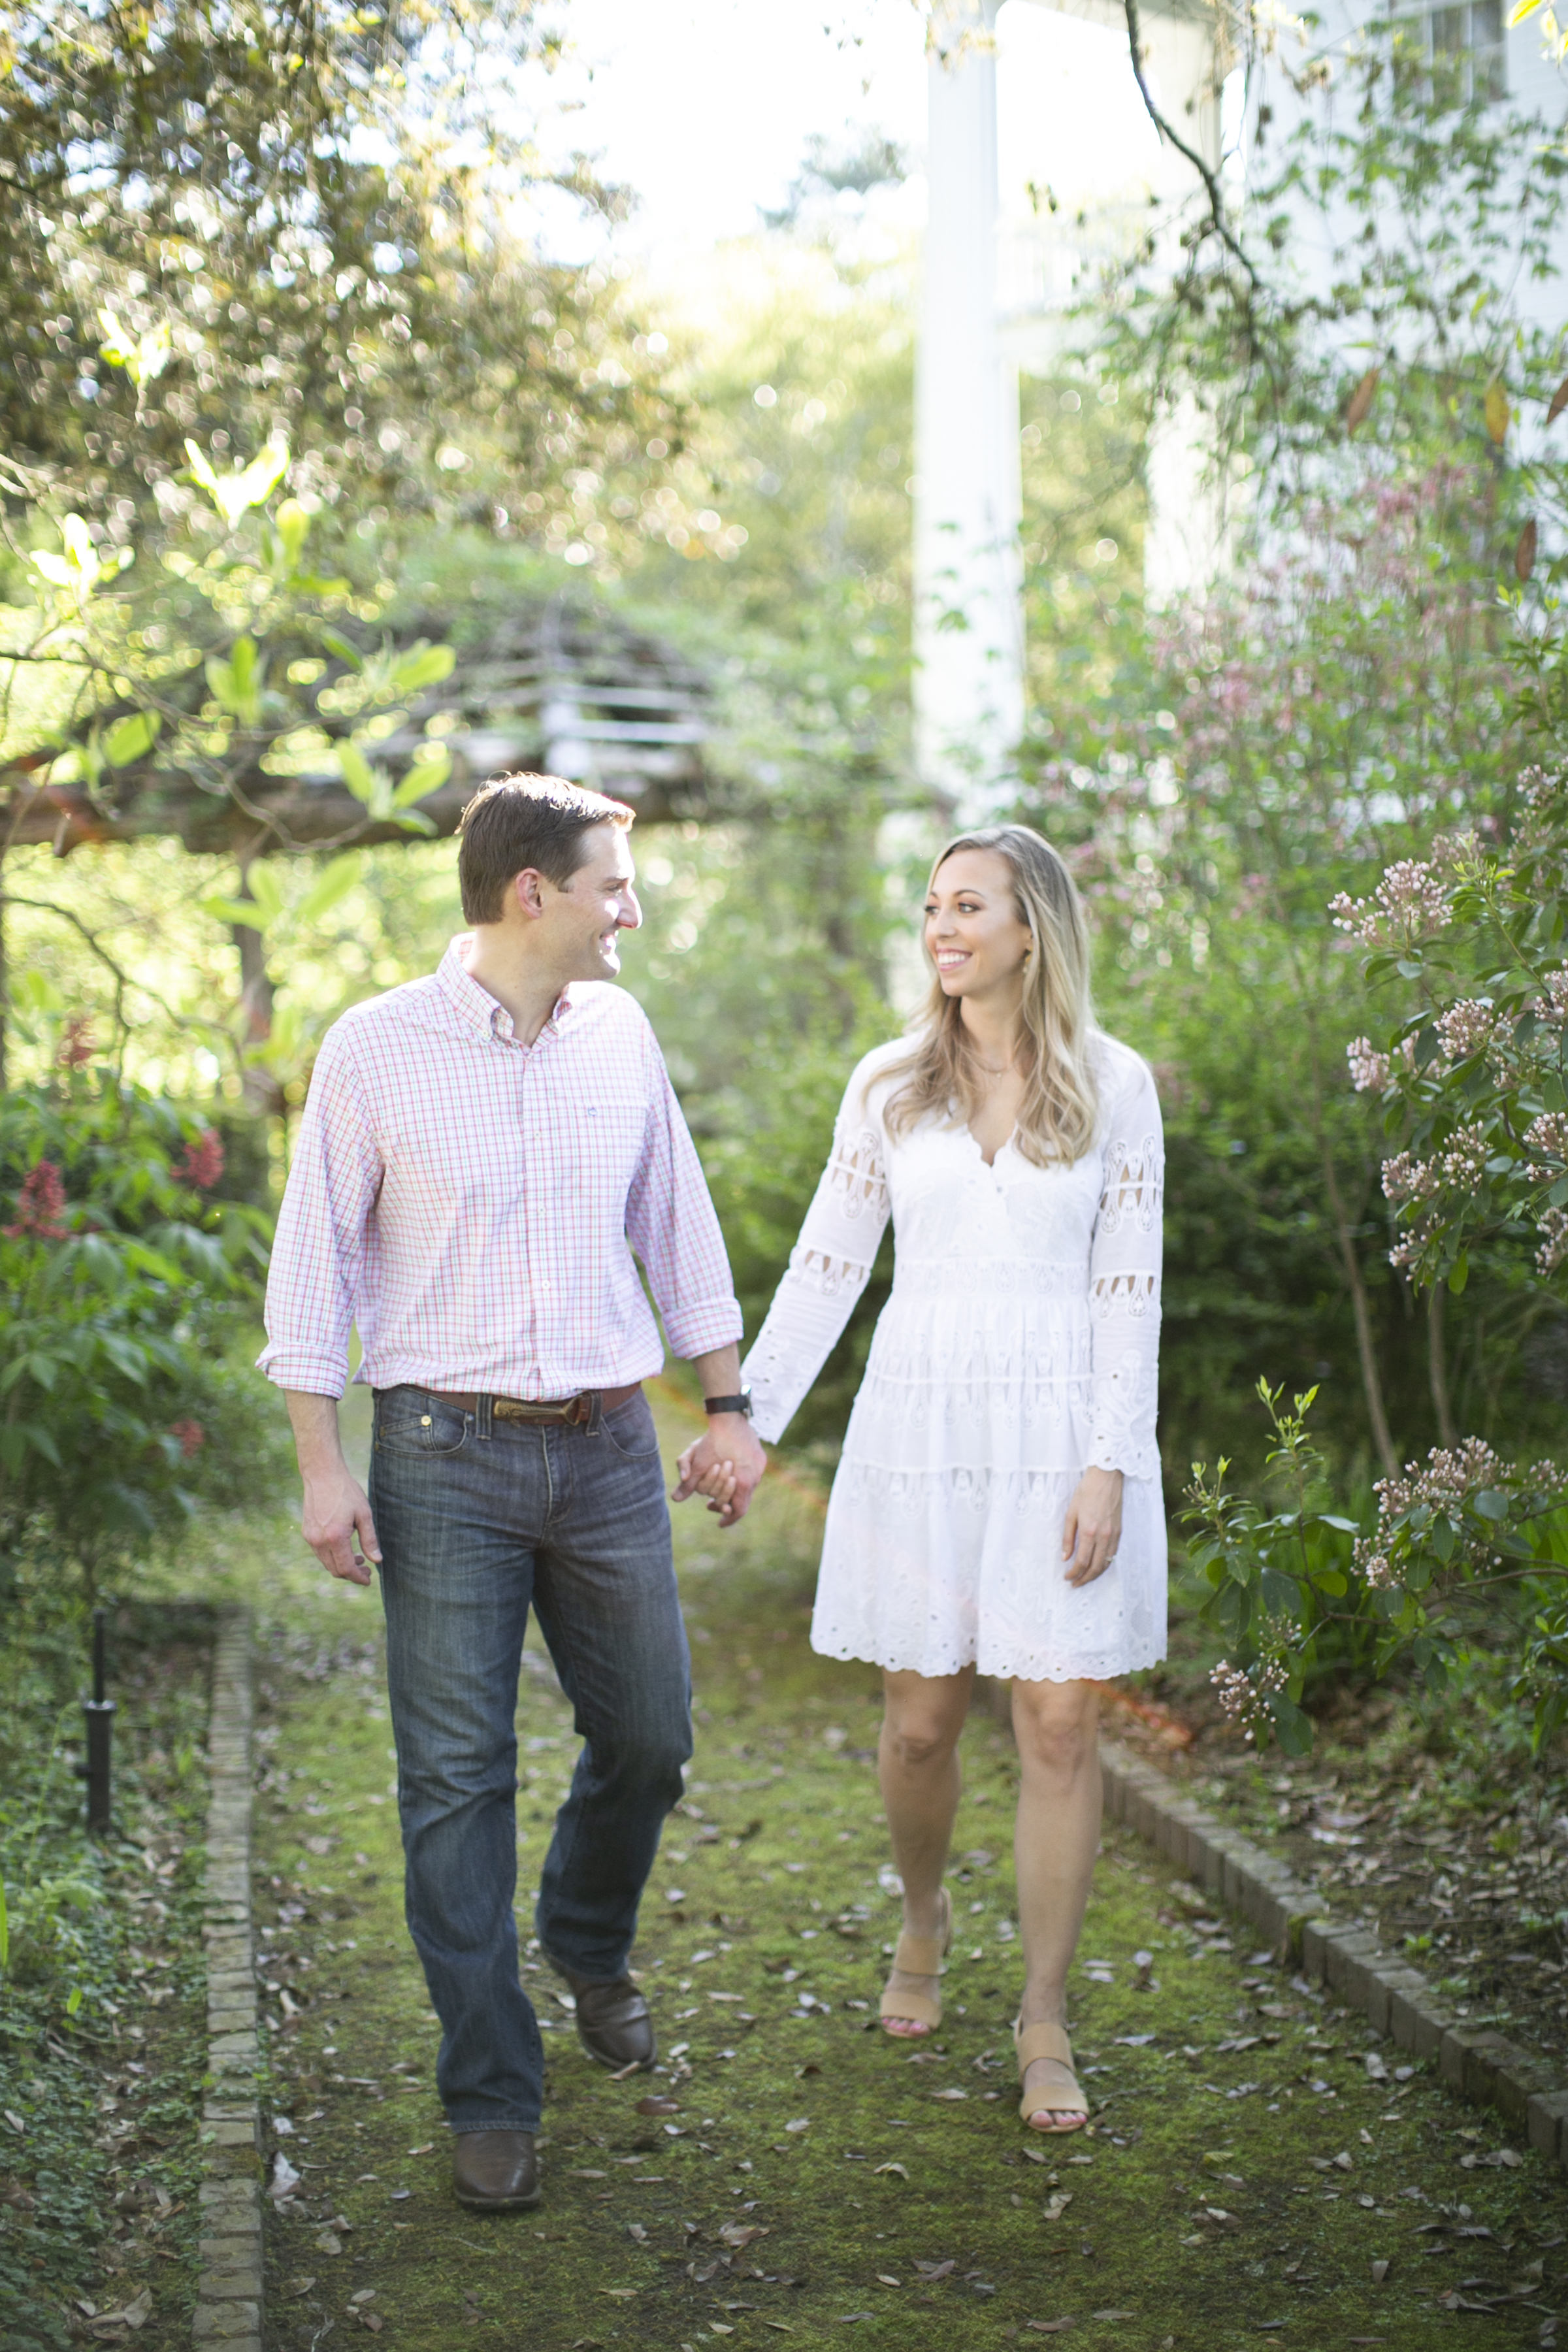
(472, 1203)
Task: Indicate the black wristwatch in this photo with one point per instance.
(742, 1404)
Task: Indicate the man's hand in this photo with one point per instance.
(336, 1519)
(1092, 1529)
(726, 1466)
(338, 1525)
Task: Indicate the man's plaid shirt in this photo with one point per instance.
(472, 1203)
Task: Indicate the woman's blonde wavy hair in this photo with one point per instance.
(1061, 1103)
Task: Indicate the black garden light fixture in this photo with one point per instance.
(100, 1714)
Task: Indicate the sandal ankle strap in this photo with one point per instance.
(918, 1956)
(1041, 2042)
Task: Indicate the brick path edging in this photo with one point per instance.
(1395, 1999)
(228, 2289)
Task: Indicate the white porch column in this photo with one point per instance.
(968, 616)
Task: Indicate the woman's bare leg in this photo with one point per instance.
(1056, 1837)
(917, 1763)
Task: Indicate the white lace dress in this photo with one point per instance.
(1020, 1345)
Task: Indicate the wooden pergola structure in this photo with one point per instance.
(558, 686)
(561, 686)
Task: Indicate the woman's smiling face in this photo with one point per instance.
(973, 932)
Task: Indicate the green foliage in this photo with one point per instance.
(103, 1963)
(1275, 1581)
(1428, 213)
(226, 259)
(1323, 714)
(1462, 1564)
(120, 1285)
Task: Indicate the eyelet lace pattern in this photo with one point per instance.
(1020, 1346)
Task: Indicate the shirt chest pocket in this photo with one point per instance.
(601, 1142)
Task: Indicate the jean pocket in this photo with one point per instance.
(414, 1423)
(630, 1429)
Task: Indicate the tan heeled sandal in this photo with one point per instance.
(918, 1956)
(1034, 2042)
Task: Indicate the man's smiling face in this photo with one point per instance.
(587, 916)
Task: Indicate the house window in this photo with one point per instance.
(1469, 34)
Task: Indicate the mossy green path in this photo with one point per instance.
(1256, 2161)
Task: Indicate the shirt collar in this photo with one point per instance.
(476, 1004)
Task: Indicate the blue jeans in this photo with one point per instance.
(478, 1520)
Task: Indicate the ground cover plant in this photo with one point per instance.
(102, 1986)
(1256, 2155)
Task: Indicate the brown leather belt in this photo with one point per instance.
(569, 1413)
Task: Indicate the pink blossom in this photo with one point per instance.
(1465, 1027)
(1465, 1160)
(1405, 1179)
(1409, 903)
(1547, 1136)
(1551, 1224)
(1450, 1472)
(77, 1045)
(191, 1435)
(1242, 1696)
(203, 1163)
(1368, 1068)
(1372, 1566)
(40, 1206)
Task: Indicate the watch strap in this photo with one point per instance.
(739, 1404)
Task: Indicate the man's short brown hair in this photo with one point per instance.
(516, 822)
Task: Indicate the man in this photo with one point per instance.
(479, 1155)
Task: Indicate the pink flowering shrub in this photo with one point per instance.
(1476, 1080)
(117, 1300)
(1467, 1548)
(203, 1162)
(40, 1206)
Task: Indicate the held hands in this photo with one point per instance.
(338, 1527)
(1092, 1529)
(726, 1467)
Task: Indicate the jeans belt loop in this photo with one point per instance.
(485, 1415)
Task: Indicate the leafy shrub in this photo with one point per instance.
(122, 1282)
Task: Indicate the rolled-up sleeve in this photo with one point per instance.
(671, 1224)
(319, 1252)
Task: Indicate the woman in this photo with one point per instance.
(997, 1504)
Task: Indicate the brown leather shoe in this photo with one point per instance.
(614, 2025)
(495, 2171)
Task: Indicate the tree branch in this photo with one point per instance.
(1217, 222)
(123, 978)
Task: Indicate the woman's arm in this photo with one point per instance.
(1124, 1325)
(828, 1267)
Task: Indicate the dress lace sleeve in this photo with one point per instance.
(828, 1269)
(1124, 1283)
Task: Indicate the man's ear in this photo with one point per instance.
(528, 893)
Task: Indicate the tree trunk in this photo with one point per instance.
(1437, 1365)
(263, 1093)
(1371, 1377)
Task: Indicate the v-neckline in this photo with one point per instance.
(990, 1165)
